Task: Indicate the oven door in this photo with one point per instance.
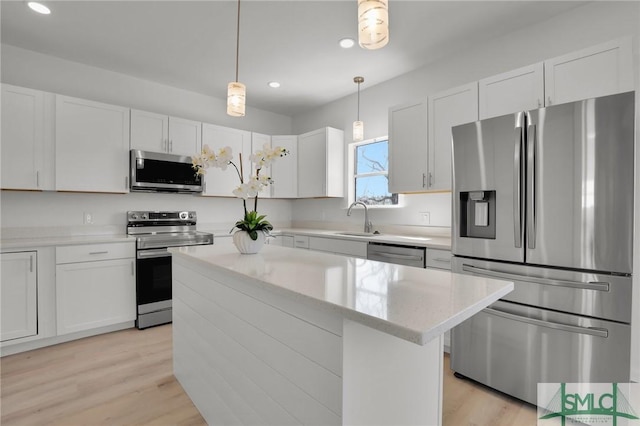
(153, 287)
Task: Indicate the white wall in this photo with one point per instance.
(60, 213)
(582, 27)
(43, 72)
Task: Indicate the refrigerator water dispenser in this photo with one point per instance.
(478, 214)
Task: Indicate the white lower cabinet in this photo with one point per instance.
(281, 240)
(95, 293)
(18, 295)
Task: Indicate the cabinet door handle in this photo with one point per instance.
(424, 180)
(549, 100)
(133, 271)
(171, 146)
(126, 182)
(539, 103)
(430, 179)
(31, 263)
(37, 179)
(98, 252)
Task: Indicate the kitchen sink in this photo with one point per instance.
(359, 234)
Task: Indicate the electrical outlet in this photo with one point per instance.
(88, 218)
(425, 218)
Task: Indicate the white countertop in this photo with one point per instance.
(411, 303)
(35, 242)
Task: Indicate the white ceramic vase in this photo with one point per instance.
(245, 244)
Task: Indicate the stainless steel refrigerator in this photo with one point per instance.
(544, 198)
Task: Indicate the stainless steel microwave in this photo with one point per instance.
(160, 172)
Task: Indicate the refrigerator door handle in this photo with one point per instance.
(593, 331)
(591, 285)
(517, 184)
(531, 190)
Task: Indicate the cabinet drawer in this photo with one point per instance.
(439, 259)
(301, 241)
(92, 252)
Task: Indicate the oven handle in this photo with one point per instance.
(593, 331)
(150, 254)
(591, 285)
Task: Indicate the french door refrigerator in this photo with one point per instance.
(544, 198)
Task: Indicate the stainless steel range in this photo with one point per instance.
(156, 231)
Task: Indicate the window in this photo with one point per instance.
(370, 173)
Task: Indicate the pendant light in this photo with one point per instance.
(236, 91)
(358, 126)
(373, 23)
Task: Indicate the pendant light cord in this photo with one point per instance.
(237, 41)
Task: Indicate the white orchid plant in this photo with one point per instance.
(252, 222)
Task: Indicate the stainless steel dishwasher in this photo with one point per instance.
(399, 254)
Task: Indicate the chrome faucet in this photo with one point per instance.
(368, 226)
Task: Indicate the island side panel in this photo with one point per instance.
(389, 381)
(243, 360)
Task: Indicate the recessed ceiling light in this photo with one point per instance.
(274, 84)
(347, 43)
(39, 7)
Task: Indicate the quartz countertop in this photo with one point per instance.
(413, 304)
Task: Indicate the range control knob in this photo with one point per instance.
(191, 215)
(144, 216)
(134, 216)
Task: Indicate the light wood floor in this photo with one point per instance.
(125, 378)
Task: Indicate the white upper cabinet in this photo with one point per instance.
(321, 163)
(185, 136)
(220, 182)
(447, 109)
(27, 139)
(18, 287)
(408, 147)
(284, 171)
(92, 146)
(149, 131)
(161, 133)
(516, 90)
(600, 70)
(258, 141)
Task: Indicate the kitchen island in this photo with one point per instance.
(289, 336)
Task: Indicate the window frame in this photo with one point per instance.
(351, 173)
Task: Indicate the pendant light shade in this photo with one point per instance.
(373, 23)
(236, 91)
(358, 131)
(358, 126)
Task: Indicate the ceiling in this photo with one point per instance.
(192, 44)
